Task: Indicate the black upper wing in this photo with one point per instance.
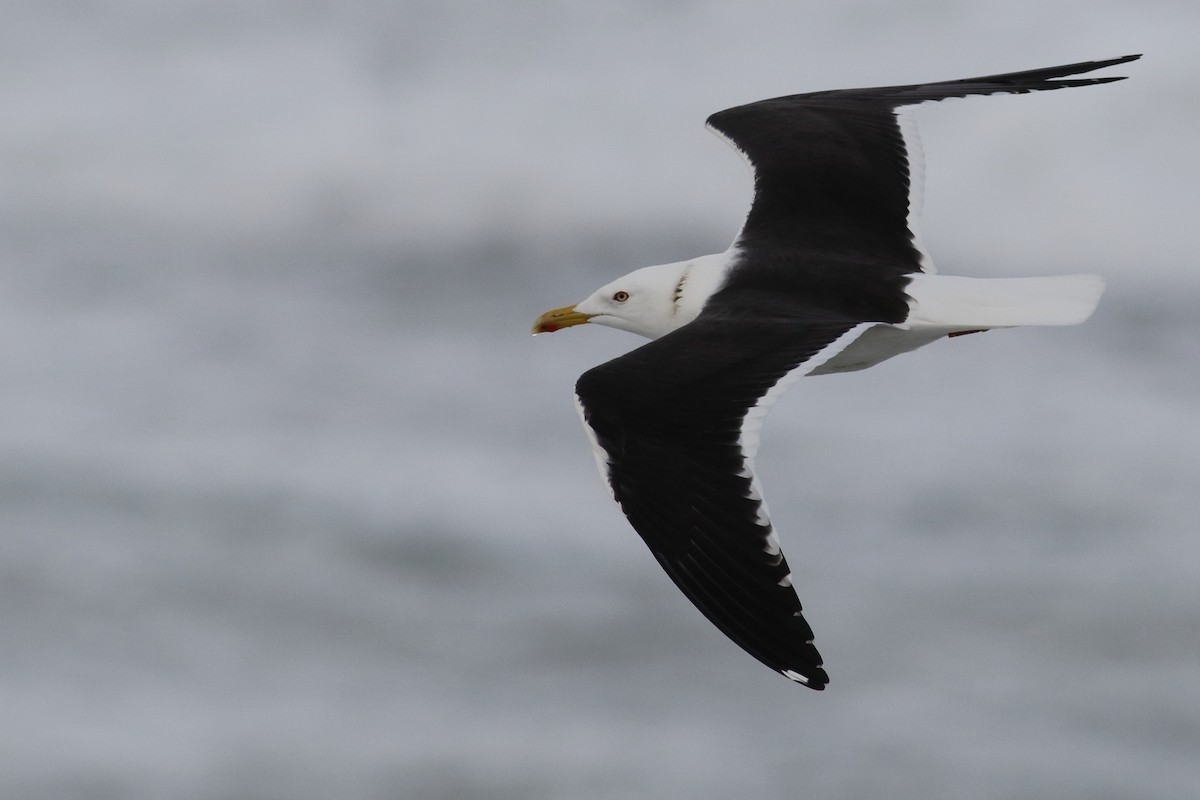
(831, 190)
(669, 417)
(831, 169)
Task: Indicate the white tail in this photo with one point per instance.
(944, 305)
(946, 301)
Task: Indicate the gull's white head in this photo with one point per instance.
(651, 302)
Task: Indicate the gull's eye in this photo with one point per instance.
(621, 297)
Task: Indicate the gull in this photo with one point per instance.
(827, 274)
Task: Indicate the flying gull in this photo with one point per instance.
(828, 274)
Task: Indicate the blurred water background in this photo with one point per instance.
(292, 506)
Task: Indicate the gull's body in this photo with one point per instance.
(827, 275)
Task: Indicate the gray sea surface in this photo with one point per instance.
(292, 506)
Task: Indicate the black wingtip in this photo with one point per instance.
(1091, 66)
(1031, 80)
(1081, 67)
(1058, 77)
(816, 679)
(1122, 59)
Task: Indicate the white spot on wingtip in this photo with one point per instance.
(793, 675)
